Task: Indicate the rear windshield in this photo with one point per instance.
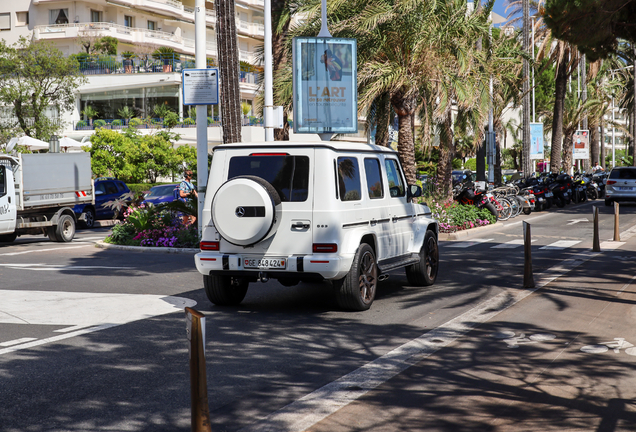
(288, 174)
(624, 174)
(161, 190)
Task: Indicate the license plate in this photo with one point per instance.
(626, 188)
(549, 194)
(264, 263)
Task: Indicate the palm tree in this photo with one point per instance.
(229, 68)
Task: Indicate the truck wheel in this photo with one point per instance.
(8, 238)
(89, 218)
(50, 231)
(225, 290)
(424, 272)
(65, 230)
(356, 291)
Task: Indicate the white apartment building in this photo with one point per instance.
(140, 26)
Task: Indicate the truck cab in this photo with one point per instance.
(7, 201)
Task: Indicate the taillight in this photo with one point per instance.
(611, 181)
(325, 248)
(210, 246)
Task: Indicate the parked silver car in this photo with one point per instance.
(621, 185)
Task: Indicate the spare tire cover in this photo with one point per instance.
(244, 210)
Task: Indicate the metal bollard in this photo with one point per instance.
(195, 322)
(528, 278)
(596, 245)
(617, 235)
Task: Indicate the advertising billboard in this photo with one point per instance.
(581, 145)
(325, 85)
(536, 141)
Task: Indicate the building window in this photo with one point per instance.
(129, 21)
(152, 25)
(96, 16)
(22, 18)
(5, 21)
(58, 16)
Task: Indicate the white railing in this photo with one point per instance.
(172, 3)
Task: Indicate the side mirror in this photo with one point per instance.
(414, 191)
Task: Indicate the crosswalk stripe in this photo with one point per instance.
(510, 245)
(467, 244)
(561, 244)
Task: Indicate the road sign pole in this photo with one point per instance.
(198, 377)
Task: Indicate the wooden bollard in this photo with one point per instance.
(617, 235)
(195, 322)
(596, 245)
(528, 278)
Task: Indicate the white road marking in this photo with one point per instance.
(561, 244)
(610, 245)
(466, 244)
(87, 312)
(57, 267)
(302, 414)
(511, 244)
(17, 341)
(46, 250)
(575, 221)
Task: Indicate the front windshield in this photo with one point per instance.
(161, 191)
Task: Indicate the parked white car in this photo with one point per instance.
(300, 212)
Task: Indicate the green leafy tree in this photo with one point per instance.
(34, 78)
(595, 26)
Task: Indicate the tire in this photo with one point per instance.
(89, 218)
(356, 291)
(246, 210)
(592, 194)
(560, 202)
(8, 238)
(424, 273)
(506, 210)
(225, 290)
(608, 202)
(50, 231)
(491, 208)
(527, 211)
(65, 229)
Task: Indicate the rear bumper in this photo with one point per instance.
(326, 266)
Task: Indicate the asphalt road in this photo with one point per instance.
(94, 339)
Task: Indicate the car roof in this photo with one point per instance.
(334, 145)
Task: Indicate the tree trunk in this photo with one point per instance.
(383, 117)
(404, 106)
(560, 85)
(594, 141)
(567, 151)
(229, 67)
(498, 174)
(279, 58)
(526, 163)
(446, 154)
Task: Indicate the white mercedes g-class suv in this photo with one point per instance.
(300, 212)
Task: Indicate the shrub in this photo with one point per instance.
(117, 122)
(99, 123)
(82, 123)
(136, 121)
(190, 121)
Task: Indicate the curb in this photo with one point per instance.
(105, 223)
(100, 244)
(465, 233)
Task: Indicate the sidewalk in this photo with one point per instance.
(559, 357)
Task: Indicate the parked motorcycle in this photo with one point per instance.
(464, 192)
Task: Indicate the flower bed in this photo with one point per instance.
(153, 227)
(453, 216)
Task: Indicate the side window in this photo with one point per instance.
(120, 187)
(374, 178)
(349, 179)
(3, 181)
(110, 187)
(99, 187)
(396, 184)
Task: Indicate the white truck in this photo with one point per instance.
(38, 193)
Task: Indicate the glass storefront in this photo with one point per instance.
(141, 100)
